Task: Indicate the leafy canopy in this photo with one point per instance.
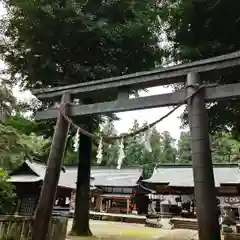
(202, 29)
(54, 43)
(18, 141)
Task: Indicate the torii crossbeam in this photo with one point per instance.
(118, 89)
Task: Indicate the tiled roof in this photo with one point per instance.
(125, 177)
(182, 175)
(100, 176)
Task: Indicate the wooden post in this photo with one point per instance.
(80, 225)
(50, 184)
(204, 187)
(127, 206)
(101, 204)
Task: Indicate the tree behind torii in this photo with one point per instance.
(85, 41)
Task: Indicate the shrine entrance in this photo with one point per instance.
(195, 78)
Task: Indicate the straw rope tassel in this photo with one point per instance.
(121, 155)
(76, 141)
(100, 151)
(147, 142)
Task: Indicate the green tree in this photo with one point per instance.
(137, 154)
(85, 41)
(155, 140)
(38, 146)
(110, 150)
(225, 149)
(22, 124)
(13, 144)
(16, 146)
(151, 159)
(7, 195)
(169, 151)
(195, 31)
(7, 101)
(184, 148)
(134, 148)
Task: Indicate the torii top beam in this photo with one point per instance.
(162, 76)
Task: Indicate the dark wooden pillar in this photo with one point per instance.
(204, 187)
(49, 188)
(81, 216)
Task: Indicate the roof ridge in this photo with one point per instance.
(36, 162)
(190, 165)
(93, 167)
(31, 166)
(107, 168)
(114, 168)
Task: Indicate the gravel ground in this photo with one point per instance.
(126, 231)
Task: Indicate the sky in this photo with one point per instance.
(171, 124)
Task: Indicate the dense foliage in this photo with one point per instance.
(165, 149)
(7, 195)
(85, 40)
(202, 29)
(18, 134)
(7, 101)
(54, 43)
(96, 39)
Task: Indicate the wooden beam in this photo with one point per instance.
(211, 94)
(123, 94)
(140, 80)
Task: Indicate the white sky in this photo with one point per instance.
(171, 123)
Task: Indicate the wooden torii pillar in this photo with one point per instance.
(204, 186)
(48, 193)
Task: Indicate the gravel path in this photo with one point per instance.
(126, 231)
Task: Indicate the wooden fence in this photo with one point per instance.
(20, 228)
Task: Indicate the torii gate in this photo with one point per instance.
(119, 88)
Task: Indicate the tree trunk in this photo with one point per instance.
(81, 216)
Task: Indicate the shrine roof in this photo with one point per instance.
(31, 171)
(24, 178)
(125, 177)
(182, 175)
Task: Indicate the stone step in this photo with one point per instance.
(153, 224)
(184, 224)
